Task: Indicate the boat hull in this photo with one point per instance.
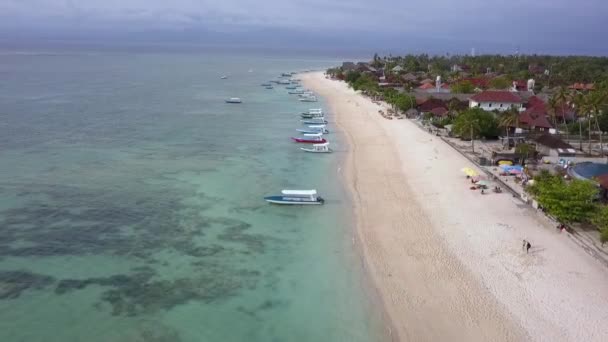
(282, 200)
(311, 150)
(307, 131)
(309, 141)
(314, 122)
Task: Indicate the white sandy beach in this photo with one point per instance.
(446, 261)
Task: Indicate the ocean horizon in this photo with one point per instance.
(132, 203)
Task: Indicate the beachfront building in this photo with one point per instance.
(552, 146)
(500, 100)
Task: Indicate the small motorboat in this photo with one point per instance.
(295, 92)
(291, 87)
(308, 99)
(234, 100)
(224, 77)
(266, 84)
(311, 115)
(311, 138)
(315, 121)
(312, 130)
(269, 87)
(296, 197)
(318, 148)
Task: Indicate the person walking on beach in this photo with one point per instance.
(524, 245)
(528, 245)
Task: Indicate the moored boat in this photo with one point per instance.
(291, 87)
(318, 148)
(315, 121)
(309, 99)
(268, 84)
(224, 77)
(295, 92)
(310, 138)
(296, 197)
(234, 100)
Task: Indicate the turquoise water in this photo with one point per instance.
(131, 205)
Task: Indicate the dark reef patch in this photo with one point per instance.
(135, 294)
(13, 283)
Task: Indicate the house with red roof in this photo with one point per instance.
(500, 100)
(535, 119)
(582, 86)
(431, 88)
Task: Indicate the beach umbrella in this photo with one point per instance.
(469, 172)
(505, 162)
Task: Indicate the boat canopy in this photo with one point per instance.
(299, 192)
(317, 126)
(321, 145)
(314, 134)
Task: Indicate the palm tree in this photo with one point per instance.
(580, 102)
(508, 119)
(553, 105)
(596, 100)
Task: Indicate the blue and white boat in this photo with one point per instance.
(296, 197)
(312, 130)
(315, 121)
(296, 92)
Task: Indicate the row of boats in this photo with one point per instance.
(312, 134)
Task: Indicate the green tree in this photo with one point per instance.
(525, 151)
(600, 220)
(475, 123)
(582, 109)
(462, 87)
(352, 76)
(508, 119)
(501, 82)
(571, 201)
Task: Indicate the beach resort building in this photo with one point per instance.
(552, 146)
(500, 100)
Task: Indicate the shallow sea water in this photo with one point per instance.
(131, 205)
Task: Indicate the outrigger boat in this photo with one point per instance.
(234, 100)
(292, 87)
(318, 148)
(311, 115)
(296, 92)
(266, 84)
(269, 87)
(296, 197)
(311, 138)
(313, 129)
(308, 99)
(315, 121)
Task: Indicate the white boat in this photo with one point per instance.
(295, 92)
(224, 77)
(283, 82)
(318, 148)
(292, 197)
(308, 99)
(234, 100)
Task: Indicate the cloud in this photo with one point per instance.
(469, 20)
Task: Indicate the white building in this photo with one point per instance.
(496, 100)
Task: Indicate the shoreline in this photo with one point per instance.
(441, 274)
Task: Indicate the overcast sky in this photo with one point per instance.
(533, 25)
